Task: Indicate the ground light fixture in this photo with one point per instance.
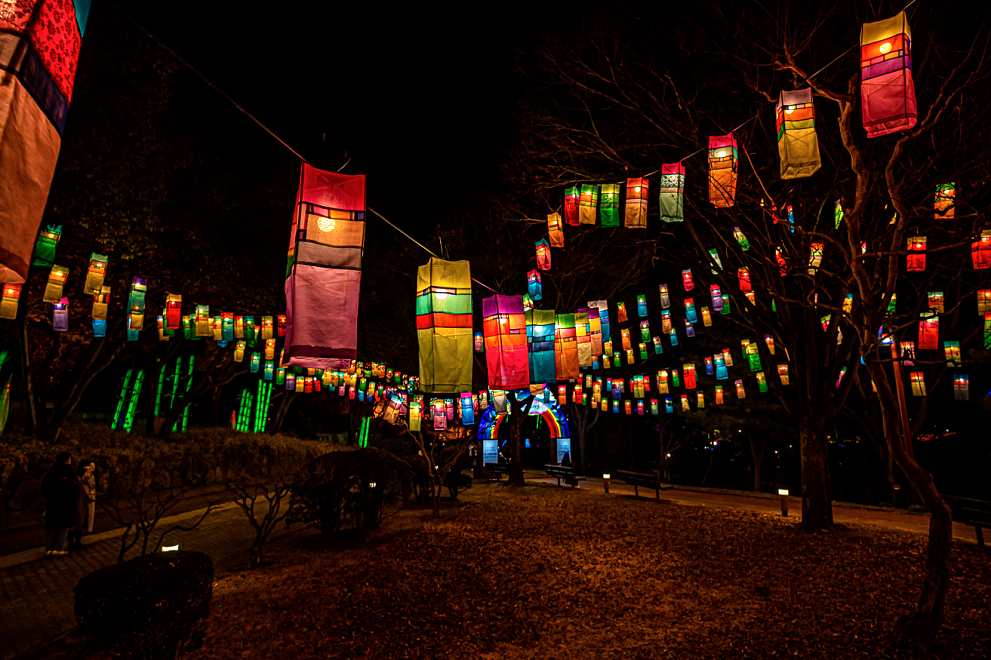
(783, 497)
(170, 548)
(605, 482)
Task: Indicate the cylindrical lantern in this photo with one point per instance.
(722, 170)
(543, 250)
(555, 230)
(980, 251)
(916, 258)
(571, 205)
(672, 192)
(504, 326)
(665, 296)
(887, 92)
(686, 279)
(588, 203)
(798, 147)
(636, 203)
(609, 205)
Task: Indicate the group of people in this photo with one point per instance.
(70, 504)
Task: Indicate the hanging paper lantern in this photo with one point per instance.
(673, 337)
(654, 407)
(217, 328)
(935, 299)
(761, 382)
(906, 351)
(722, 170)
(887, 93)
(203, 321)
(588, 202)
(479, 342)
(815, 256)
(100, 302)
(951, 350)
(722, 373)
(636, 203)
(690, 314)
(60, 315)
(642, 346)
(604, 327)
(769, 342)
(668, 405)
(665, 296)
(609, 209)
(577, 396)
(684, 403)
(779, 258)
(707, 316)
(980, 251)
(848, 303)
(719, 395)
(645, 330)
(640, 408)
(44, 248)
(270, 349)
(983, 301)
(625, 337)
(444, 325)
(641, 305)
(41, 41)
(916, 258)
(725, 311)
(227, 326)
(837, 215)
(8, 305)
(324, 272)
(268, 327)
(239, 349)
(95, 273)
(727, 357)
(629, 356)
(918, 380)
(666, 326)
(753, 358)
(467, 409)
(540, 337)
(672, 192)
(582, 337)
(527, 302)
(716, 261)
(741, 239)
(700, 400)
(658, 348)
(543, 250)
(239, 327)
(571, 205)
(504, 325)
(251, 332)
(688, 370)
(686, 279)
(555, 230)
(798, 147)
(961, 387)
(281, 325)
(662, 382)
(173, 311)
(675, 378)
(256, 362)
(928, 332)
(741, 393)
(136, 304)
(689, 329)
(944, 201)
(621, 312)
(269, 370)
(534, 286)
(56, 281)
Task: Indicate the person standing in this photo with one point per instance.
(60, 488)
(85, 505)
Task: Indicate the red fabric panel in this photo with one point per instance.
(440, 320)
(322, 312)
(332, 190)
(56, 40)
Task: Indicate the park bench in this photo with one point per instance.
(973, 512)
(638, 479)
(498, 469)
(565, 472)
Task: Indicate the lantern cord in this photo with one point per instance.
(421, 245)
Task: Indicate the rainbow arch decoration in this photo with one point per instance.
(544, 405)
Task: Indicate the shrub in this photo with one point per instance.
(149, 607)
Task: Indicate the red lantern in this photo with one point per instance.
(686, 279)
(980, 251)
(928, 332)
(743, 277)
(636, 203)
(543, 249)
(916, 259)
(571, 205)
(688, 371)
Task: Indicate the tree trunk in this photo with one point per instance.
(817, 506)
(29, 395)
(757, 457)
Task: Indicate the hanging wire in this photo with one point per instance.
(240, 108)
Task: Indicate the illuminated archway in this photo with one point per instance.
(545, 406)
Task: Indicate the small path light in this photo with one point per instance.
(170, 548)
(372, 484)
(605, 482)
(783, 497)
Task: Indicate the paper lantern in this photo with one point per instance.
(722, 373)
(270, 349)
(716, 295)
(625, 337)
(779, 258)
(604, 326)
(673, 337)
(588, 202)
(769, 342)
(173, 311)
(136, 304)
(666, 326)
(662, 382)
(467, 409)
(609, 208)
(717, 264)
(915, 261)
(41, 41)
(543, 250)
(961, 387)
(582, 337)
(227, 326)
(935, 300)
(281, 325)
(444, 325)
(798, 147)
(202, 321)
(504, 326)
(944, 201)
(645, 330)
(629, 356)
(641, 305)
(741, 392)
(688, 370)
(95, 273)
(918, 380)
(686, 279)
(987, 331)
(534, 286)
(983, 301)
(595, 332)
(555, 230)
(8, 304)
(56, 281)
(928, 332)
(753, 358)
(658, 348)
(60, 315)
(642, 346)
(690, 314)
(268, 327)
(722, 170)
(743, 279)
(726, 308)
(571, 205)
(45, 246)
(951, 350)
(848, 303)
(887, 93)
(324, 272)
(239, 349)
(654, 407)
(980, 251)
(675, 378)
(727, 357)
(741, 239)
(815, 256)
(100, 302)
(479, 342)
(719, 395)
(707, 315)
(684, 403)
(668, 405)
(251, 333)
(217, 328)
(540, 337)
(761, 382)
(527, 302)
(621, 316)
(577, 396)
(906, 351)
(636, 203)
(672, 192)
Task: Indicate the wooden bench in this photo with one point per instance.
(638, 479)
(974, 512)
(565, 472)
(498, 468)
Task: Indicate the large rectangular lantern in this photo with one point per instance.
(444, 325)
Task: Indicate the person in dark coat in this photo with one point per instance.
(60, 488)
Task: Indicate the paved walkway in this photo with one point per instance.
(36, 593)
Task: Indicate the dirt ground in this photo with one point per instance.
(543, 571)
